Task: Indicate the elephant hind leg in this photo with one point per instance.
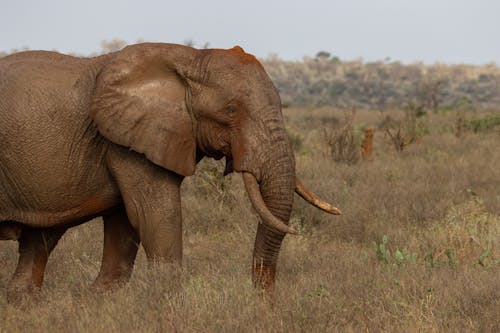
(35, 246)
(120, 249)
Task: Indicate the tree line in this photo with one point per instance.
(326, 80)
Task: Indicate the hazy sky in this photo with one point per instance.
(456, 31)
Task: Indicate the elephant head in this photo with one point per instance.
(176, 104)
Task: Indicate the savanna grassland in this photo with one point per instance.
(416, 249)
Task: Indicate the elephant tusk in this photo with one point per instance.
(259, 205)
(313, 199)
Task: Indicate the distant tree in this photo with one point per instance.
(428, 94)
(113, 45)
(323, 55)
(4, 53)
(189, 42)
(335, 59)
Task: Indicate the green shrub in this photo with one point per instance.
(484, 124)
(399, 258)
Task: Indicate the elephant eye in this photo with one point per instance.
(231, 109)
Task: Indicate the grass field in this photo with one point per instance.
(416, 250)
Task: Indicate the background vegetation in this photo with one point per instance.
(326, 80)
(416, 249)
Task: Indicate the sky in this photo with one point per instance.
(429, 31)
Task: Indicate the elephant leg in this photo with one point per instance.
(151, 196)
(265, 257)
(120, 248)
(156, 211)
(35, 246)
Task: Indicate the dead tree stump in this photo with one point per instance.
(367, 145)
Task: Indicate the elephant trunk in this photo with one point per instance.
(272, 198)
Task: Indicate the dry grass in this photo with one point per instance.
(437, 269)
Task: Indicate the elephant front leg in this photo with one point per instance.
(151, 196)
(120, 249)
(35, 246)
(155, 210)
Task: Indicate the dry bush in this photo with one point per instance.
(112, 45)
(436, 205)
(460, 127)
(342, 143)
(406, 131)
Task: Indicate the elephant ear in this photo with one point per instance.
(140, 102)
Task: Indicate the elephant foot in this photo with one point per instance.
(105, 283)
(35, 246)
(101, 285)
(21, 290)
(120, 249)
(263, 279)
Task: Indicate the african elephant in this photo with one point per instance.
(115, 135)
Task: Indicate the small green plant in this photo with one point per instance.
(487, 260)
(451, 254)
(297, 222)
(436, 261)
(400, 258)
(403, 257)
(319, 291)
(383, 254)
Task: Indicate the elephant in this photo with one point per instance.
(114, 136)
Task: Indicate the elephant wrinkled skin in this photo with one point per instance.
(115, 135)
